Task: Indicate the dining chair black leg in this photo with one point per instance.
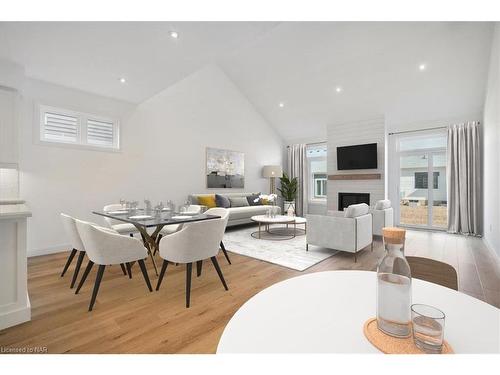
(68, 262)
(124, 270)
(145, 274)
(189, 267)
(199, 266)
(84, 276)
(129, 270)
(224, 251)
(219, 272)
(162, 273)
(77, 268)
(98, 279)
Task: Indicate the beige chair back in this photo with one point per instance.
(433, 271)
(72, 232)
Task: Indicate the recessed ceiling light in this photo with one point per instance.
(338, 89)
(281, 105)
(422, 67)
(174, 34)
(123, 80)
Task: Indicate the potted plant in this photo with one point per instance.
(288, 191)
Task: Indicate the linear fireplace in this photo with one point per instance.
(346, 199)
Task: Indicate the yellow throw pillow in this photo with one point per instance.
(264, 201)
(207, 200)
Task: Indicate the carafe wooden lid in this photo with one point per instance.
(394, 235)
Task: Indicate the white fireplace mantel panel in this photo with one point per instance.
(349, 134)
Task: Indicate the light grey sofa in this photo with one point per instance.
(237, 215)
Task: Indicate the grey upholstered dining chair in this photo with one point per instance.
(104, 248)
(76, 246)
(119, 226)
(193, 243)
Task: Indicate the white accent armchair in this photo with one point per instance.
(383, 216)
(349, 230)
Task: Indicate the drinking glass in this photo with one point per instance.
(428, 328)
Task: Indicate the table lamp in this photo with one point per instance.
(271, 172)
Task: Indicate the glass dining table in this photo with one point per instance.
(143, 220)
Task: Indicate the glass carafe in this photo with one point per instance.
(394, 286)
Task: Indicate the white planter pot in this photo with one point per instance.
(289, 208)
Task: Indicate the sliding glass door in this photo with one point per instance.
(422, 180)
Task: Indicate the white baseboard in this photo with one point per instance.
(17, 316)
(491, 249)
(49, 250)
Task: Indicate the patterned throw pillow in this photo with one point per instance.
(254, 200)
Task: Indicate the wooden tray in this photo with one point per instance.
(392, 345)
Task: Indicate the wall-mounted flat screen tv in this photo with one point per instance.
(357, 157)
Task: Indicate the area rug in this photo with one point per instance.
(289, 253)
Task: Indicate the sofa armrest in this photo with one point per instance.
(194, 209)
(364, 231)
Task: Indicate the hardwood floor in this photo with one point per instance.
(127, 318)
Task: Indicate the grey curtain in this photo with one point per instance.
(463, 173)
(297, 167)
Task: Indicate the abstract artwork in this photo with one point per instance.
(225, 169)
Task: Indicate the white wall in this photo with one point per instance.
(491, 153)
(355, 133)
(163, 151)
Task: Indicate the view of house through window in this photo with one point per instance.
(319, 185)
(316, 157)
(420, 157)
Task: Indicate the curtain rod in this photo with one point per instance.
(421, 130)
(311, 144)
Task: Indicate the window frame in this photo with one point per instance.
(435, 180)
(82, 123)
(323, 181)
(311, 188)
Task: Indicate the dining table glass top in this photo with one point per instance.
(153, 219)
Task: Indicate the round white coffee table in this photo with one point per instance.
(324, 312)
(269, 234)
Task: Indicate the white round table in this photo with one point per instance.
(324, 312)
(267, 221)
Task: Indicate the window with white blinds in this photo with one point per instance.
(100, 133)
(60, 127)
(65, 126)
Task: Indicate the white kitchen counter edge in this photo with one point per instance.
(14, 211)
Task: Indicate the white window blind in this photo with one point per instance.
(59, 125)
(100, 133)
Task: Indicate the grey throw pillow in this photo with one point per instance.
(222, 201)
(238, 201)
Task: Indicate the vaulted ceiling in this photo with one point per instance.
(375, 66)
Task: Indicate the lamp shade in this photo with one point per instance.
(272, 171)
